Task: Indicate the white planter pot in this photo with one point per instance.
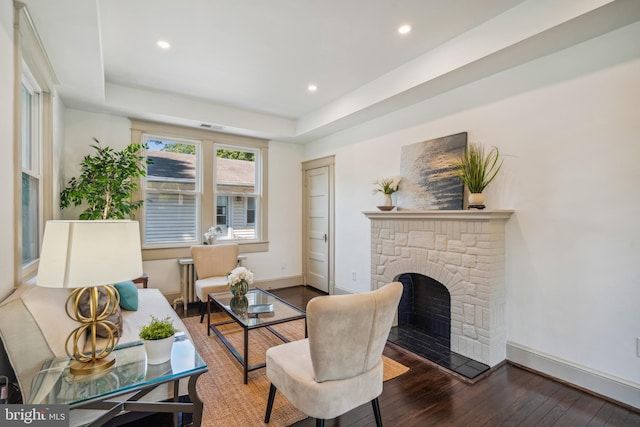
(158, 351)
(476, 200)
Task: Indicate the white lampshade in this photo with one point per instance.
(78, 254)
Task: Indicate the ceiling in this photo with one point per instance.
(244, 66)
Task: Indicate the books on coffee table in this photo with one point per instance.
(260, 309)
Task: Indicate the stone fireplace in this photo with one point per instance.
(462, 250)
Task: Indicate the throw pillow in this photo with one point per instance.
(116, 317)
(128, 295)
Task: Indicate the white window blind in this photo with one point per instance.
(171, 217)
(172, 191)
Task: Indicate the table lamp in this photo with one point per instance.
(86, 255)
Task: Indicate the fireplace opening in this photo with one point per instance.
(424, 325)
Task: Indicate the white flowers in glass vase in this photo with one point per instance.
(239, 280)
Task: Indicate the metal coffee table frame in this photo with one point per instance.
(248, 323)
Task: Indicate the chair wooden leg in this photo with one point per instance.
(376, 412)
(319, 422)
(201, 308)
(272, 395)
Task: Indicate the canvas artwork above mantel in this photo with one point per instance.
(428, 181)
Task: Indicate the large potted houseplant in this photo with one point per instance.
(158, 339)
(477, 170)
(106, 183)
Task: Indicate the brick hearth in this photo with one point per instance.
(463, 250)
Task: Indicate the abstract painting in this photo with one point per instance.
(428, 182)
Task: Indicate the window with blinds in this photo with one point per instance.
(172, 189)
(199, 181)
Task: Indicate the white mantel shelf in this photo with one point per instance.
(467, 215)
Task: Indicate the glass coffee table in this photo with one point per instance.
(119, 388)
(261, 309)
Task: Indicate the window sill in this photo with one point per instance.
(30, 271)
(151, 254)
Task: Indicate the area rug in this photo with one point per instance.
(230, 403)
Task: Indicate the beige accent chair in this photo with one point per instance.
(212, 263)
(339, 367)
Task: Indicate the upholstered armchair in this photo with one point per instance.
(339, 367)
(212, 263)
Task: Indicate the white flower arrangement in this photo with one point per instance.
(239, 275)
(211, 235)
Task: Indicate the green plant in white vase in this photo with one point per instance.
(158, 339)
(387, 186)
(477, 170)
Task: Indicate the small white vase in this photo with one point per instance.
(476, 200)
(387, 200)
(158, 351)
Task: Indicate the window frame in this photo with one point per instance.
(208, 140)
(257, 191)
(32, 60)
(34, 153)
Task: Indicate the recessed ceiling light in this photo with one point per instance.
(163, 44)
(312, 88)
(404, 29)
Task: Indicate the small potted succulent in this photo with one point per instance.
(158, 339)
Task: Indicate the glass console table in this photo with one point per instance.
(120, 388)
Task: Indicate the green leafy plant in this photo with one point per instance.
(106, 183)
(477, 170)
(158, 329)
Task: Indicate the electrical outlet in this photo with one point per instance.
(638, 346)
(283, 266)
(353, 276)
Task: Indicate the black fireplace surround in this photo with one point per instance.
(424, 324)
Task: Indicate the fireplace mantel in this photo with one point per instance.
(466, 215)
(462, 249)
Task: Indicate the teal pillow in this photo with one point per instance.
(128, 295)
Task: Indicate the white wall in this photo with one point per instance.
(568, 125)
(7, 241)
(284, 258)
(285, 206)
(59, 111)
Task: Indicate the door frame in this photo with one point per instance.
(306, 166)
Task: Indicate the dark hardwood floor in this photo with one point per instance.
(510, 396)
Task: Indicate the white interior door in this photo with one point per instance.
(317, 226)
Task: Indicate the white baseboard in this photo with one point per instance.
(280, 282)
(340, 291)
(614, 388)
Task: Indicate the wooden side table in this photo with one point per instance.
(144, 279)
